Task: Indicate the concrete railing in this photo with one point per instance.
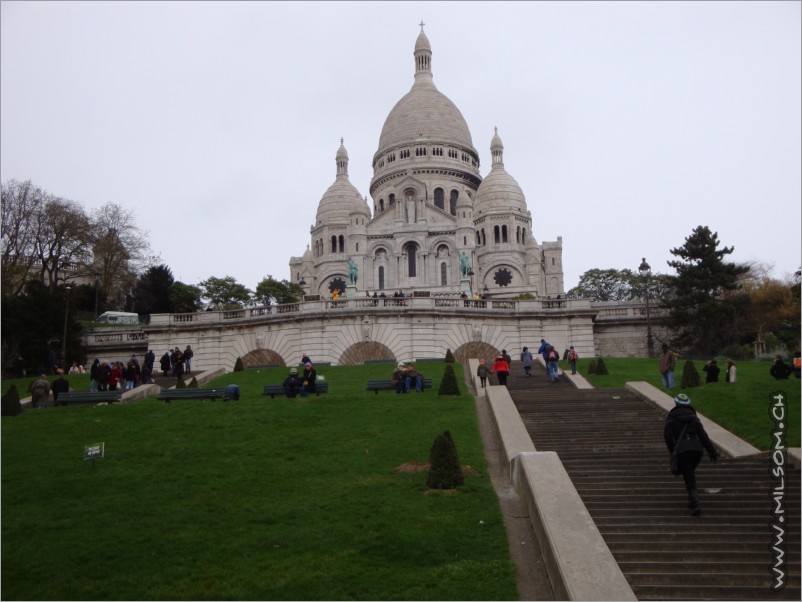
(578, 561)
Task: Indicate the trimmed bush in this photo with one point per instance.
(449, 384)
(181, 384)
(592, 366)
(10, 403)
(601, 368)
(193, 384)
(690, 376)
(444, 471)
(238, 366)
(449, 357)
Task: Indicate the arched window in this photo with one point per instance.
(392, 199)
(503, 233)
(523, 236)
(381, 205)
(484, 238)
(443, 273)
(333, 244)
(453, 202)
(381, 277)
(411, 249)
(496, 237)
(342, 243)
(518, 234)
(478, 238)
(439, 198)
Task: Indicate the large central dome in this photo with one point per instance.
(424, 113)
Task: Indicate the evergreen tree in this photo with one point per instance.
(449, 357)
(10, 402)
(592, 366)
(690, 376)
(238, 366)
(601, 367)
(445, 471)
(701, 306)
(449, 384)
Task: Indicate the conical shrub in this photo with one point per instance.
(449, 357)
(601, 367)
(238, 366)
(690, 375)
(592, 365)
(193, 384)
(10, 403)
(449, 384)
(444, 471)
(181, 384)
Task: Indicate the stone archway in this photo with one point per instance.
(262, 357)
(476, 349)
(365, 351)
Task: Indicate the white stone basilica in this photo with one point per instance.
(435, 225)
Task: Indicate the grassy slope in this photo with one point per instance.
(254, 499)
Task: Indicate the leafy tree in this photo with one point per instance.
(152, 294)
(770, 307)
(63, 241)
(224, 293)
(603, 285)
(184, 298)
(270, 291)
(700, 304)
(32, 325)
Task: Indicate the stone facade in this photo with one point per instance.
(435, 224)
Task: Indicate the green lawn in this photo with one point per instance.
(741, 407)
(285, 499)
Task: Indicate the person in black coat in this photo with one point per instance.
(164, 362)
(60, 385)
(684, 431)
(309, 380)
(779, 369)
(712, 370)
(292, 384)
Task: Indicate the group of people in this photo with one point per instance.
(113, 376)
(40, 389)
(551, 357)
(304, 383)
(712, 371)
(406, 378)
(176, 362)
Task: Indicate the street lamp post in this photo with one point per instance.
(97, 285)
(645, 270)
(66, 318)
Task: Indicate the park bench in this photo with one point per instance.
(387, 385)
(271, 391)
(262, 366)
(74, 397)
(387, 361)
(193, 393)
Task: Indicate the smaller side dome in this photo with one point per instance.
(499, 192)
(342, 199)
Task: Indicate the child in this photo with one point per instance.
(481, 372)
(572, 357)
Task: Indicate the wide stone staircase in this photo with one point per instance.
(611, 444)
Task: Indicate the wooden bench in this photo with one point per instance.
(387, 385)
(271, 391)
(74, 397)
(192, 393)
(261, 366)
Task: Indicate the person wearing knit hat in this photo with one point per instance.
(292, 384)
(482, 372)
(684, 432)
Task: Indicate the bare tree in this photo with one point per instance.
(120, 251)
(64, 241)
(22, 202)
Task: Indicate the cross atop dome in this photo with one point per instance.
(421, 25)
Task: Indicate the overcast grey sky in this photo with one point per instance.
(627, 124)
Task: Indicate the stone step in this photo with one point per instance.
(611, 444)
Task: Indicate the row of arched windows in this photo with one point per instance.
(500, 235)
(423, 151)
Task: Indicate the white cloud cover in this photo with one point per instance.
(627, 124)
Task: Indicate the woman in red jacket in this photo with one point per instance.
(502, 369)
